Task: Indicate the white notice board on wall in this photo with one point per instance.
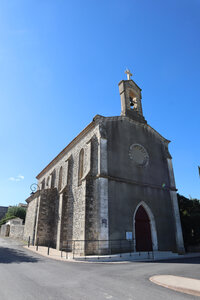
(129, 235)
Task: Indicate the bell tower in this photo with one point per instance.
(130, 94)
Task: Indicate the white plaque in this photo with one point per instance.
(129, 235)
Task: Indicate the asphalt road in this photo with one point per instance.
(25, 276)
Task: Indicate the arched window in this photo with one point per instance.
(47, 183)
(133, 101)
(43, 184)
(81, 164)
(53, 179)
(60, 179)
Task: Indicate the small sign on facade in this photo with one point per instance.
(104, 222)
(129, 235)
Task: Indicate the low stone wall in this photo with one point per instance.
(17, 231)
(5, 229)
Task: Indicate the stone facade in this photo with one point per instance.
(13, 228)
(5, 230)
(92, 190)
(17, 231)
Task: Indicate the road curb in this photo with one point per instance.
(124, 260)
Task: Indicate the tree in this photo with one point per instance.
(16, 211)
(190, 220)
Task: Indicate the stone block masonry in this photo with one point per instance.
(47, 217)
(17, 231)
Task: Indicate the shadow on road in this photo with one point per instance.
(189, 260)
(9, 256)
(185, 260)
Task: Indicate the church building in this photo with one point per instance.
(113, 182)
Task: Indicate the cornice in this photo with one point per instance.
(33, 196)
(129, 82)
(133, 182)
(126, 118)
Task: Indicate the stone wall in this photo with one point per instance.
(92, 209)
(41, 218)
(17, 231)
(13, 231)
(131, 183)
(91, 218)
(5, 230)
(15, 221)
(31, 215)
(78, 208)
(66, 235)
(77, 195)
(47, 217)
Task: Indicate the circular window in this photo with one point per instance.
(139, 155)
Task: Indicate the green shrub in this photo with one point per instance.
(4, 220)
(190, 220)
(17, 211)
(14, 212)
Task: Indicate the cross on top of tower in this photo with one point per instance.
(128, 73)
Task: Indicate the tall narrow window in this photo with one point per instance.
(60, 179)
(53, 178)
(43, 184)
(47, 183)
(80, 168)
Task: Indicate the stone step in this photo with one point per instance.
(126, 256)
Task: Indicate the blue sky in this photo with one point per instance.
(60, 64)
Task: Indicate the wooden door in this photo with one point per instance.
(142, 230)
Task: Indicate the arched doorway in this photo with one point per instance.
(142, 230)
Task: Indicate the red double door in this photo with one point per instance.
(142, 230)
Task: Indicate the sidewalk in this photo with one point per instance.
(181, 284)
(114, 258)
